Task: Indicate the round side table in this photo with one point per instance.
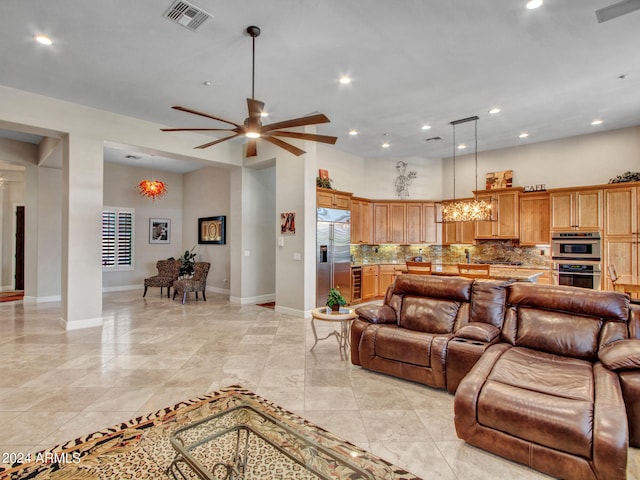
(344, 317)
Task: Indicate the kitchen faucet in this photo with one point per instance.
(467, 254)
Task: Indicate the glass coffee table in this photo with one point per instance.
(344, 317)
(246, 443)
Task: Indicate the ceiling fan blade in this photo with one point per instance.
(252, 148)
(287, 146)
(206, 145)
(199, 129)
(255, 107)
(297, 122)
(206, 115)
(617, 10)
(305, 136)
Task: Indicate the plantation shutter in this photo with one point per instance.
(117, 239)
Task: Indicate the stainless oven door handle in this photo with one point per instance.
(592, 274)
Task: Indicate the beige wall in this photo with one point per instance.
(582, 160)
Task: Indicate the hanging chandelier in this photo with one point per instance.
(152, 188)
(470, 210)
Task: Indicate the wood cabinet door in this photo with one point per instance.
(415, 228)
(534, 219)
(380, 223)
(620, 211)
(397, 222)
(621, 252)
(324, 199)
(487, 230)
(386, 276)
(588, 210)
(467, 233)
(508, 222)
(432, 230)
(342, 202)
(562, 210)
(449, 233)
(369, 282)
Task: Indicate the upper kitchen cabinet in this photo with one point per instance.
(506, 214)
(421, 223)
(579, 210)
(389, 222)
(361, 225)
(327, 198)
(534, 219)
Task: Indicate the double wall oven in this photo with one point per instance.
(577, 259)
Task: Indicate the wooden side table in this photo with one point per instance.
(344, 317)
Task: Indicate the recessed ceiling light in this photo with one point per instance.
(353, 132)
(43, 39)
(426, 127)
(494, 110)
(345, 79)
(532, 4)
(386, 145)
(462, 146)
(207, 83)
(523, 135)
(597, 122)
(264, 114)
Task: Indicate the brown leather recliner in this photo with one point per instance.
(541, 396)
(408, 335)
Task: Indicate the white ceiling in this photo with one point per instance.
(552, 70)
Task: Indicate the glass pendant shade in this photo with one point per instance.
(466, 210)
(152, 188)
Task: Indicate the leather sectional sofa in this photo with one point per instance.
(543, 375)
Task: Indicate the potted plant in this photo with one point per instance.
(335, 299)
(188, 260)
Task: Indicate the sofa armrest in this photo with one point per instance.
(481, 332)
(377, 313)
(621, 355)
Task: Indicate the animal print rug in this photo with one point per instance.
(141, 448)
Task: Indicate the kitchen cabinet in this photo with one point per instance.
(506, 215)
(386, 276)
(534, 219)
(579, 210)
(389, 222)
(361, 226)
(621, 232)
(421, 225)
(327, 198)
(369, 282)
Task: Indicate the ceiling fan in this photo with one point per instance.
(617, 10)
(252, 127)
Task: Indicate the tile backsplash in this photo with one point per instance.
(486, 250)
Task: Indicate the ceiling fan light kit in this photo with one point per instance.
(252, 127)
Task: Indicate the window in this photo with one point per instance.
(117, 238)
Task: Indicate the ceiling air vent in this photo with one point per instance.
(187, 15)
(433, 139)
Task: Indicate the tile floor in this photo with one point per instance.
(153, 352)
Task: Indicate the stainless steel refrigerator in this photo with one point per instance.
(333, 235)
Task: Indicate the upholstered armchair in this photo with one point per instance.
(196, 284)
(167, 274)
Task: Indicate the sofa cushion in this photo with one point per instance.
(431, 315)
(433, 286)
(488, 301)
(558, 333)
(377, 313)
(404, 346)
(480, 332)
(543, 398)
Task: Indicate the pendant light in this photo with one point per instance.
(152, 188)
(466, 211)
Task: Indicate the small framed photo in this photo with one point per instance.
(212, 230)
(159, 230)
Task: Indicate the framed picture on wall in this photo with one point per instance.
(159, 230)
(212, 230)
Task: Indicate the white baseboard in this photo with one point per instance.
(78, 324)
(294, 312)
(270, 297)
(34, 300)
(123, 288)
